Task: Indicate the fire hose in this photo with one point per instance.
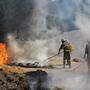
(52, 56)
(48, 57)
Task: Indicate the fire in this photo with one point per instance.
(3, 54)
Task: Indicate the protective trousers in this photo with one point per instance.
(66, 57)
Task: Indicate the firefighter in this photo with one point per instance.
(87, 55)
(65, 46)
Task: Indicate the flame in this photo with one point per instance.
(3, 54)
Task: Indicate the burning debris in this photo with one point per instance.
(27, 65)
(30, 65)
(3, 54)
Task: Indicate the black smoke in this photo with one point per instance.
(14, 17)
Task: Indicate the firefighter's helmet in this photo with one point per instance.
(63, 40)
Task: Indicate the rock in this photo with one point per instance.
(76, 60)
(37, 80)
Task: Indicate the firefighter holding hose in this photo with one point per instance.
(67, 49)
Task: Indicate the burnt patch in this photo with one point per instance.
(37, 80)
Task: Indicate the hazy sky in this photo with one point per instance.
(59, 14)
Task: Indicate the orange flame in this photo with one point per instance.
(3, 54)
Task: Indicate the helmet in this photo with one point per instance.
(63, 40)
(88, 41)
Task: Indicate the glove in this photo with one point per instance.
(58, 52)
(84, 56)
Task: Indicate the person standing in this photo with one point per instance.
(87, 55)
(66, 47)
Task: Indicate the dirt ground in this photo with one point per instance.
(68, 78)
(56, 63)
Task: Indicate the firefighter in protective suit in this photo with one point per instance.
(66, 47)
(87, 55)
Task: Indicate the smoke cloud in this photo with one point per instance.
(84, 24)
(33, 29)
(38, 25)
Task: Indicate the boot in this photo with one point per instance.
(69, 64)
(64, 64)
